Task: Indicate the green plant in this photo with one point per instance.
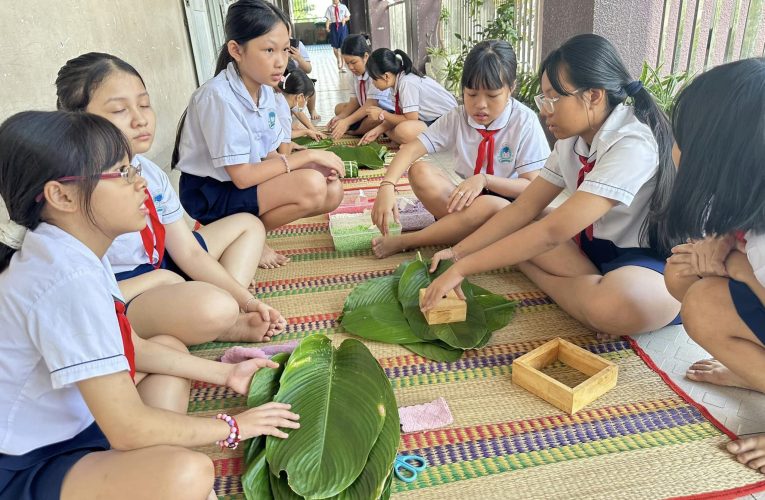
(664, 88)
(526, 87)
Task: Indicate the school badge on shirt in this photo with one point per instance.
(505, 154)
(158, 203)
(271, 119)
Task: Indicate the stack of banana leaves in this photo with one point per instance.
(370, 155)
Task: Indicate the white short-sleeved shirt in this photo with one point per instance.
(284, 115)
(127, 251)
(423, 95)
(755, 253)
(520, 145)
(330, 13)
(225, 127)
(627, 160)
(58, 327)
(382, 97)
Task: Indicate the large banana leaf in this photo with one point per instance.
(380, 322)
(382, 290)
(281, 490)
(340, 398)
(311, 144)
(255, 481)
(386, 490)
(265, 383)
(367, 156)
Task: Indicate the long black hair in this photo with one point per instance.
(356, 45)
(590, 61)
(719, 125)
(390, 61)
(297, 82)
(41, 146)
(245, 20)
(490, 65)
(79, 78)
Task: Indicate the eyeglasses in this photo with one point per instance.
(547, 104)
(129, 172)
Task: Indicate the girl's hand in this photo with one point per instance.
(385, 208)
(241, 374)
(333, 122)
(703, 257)
(370, 136)
(437, 290)
(374, 112)
(339, 129)
(464, 194)
(445, 254)
(327, 160)
(267, 420)
(315, 135)
(295, 54)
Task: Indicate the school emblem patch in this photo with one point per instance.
(505, 154)
(271, 119)
(158, 204)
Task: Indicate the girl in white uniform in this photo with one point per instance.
(227, 141)
(292, 96)
(152, 267)
(498, 146)
(76, 381)
(719, 203)
(418, 100)
(351, 117)
(600, 254)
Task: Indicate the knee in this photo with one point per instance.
(420, 175)
(171, 342)
(216, 310)
(613, 315)
(250, 224)
(483, 208)
(339, 109)
(676, 285)
(165, 277)
(190, 474)
(313, 190)
(700, 308)
(334, 197)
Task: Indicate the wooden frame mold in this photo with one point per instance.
(450, 309)
(602, 375)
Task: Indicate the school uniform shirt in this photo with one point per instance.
(626, 160)
(58, 328)
(382, 97)
(127, 251)
(423, 95)
(520, 145)
(225, 127)
(330, 13)
(284, 115)
(755, 253)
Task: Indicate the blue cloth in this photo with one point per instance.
(167, 263)
(748, 307)
(608, 257)
(207, 199)
(39, 474)
(337, 36)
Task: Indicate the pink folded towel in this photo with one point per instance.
(238, 353)
(426, 416)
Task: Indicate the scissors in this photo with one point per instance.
(408, 467)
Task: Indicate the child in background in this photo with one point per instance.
(294, 92)
(418, 100)
(498, 146)
(719, 130)
(337, 17)
(600, 254)
(351, 117)
(227, 141)
(301, 59)
(90, 409)
(151, 267)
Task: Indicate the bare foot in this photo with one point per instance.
(271, 259)
(385, 246)
(750, 451)
(315, 116)
(714, 372)
(249, 327)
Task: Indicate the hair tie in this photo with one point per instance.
(398, 56)
(633, 88)
(284, 82)
(12, 234)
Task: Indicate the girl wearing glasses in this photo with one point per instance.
(152, 266)
(600, 254)
(720, 279)
(418, 100)
(498, 146)
(76, 381)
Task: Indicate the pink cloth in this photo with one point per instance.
(238, 353)
(425, 416)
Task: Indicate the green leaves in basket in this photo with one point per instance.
(341, 396)
(311, 144)
(255, 481)
(370, 155)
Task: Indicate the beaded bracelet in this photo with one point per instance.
(286, 164)
(232, 441)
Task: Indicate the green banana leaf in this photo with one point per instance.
(382, 290)
(255, 480)
(386, 491)
(366, 156)
(311, 144)
(437, 351)
(280, 489)
(263, 388)
(340, 397)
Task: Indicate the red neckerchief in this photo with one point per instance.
(337, 17)
(125, 331)
(485, 152)
(587, 167)
(740, 236)
(159, 232)
(399, 111)
(362, 92)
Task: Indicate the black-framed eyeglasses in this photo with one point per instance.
(129, 172)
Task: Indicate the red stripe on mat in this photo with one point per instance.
(716, 495)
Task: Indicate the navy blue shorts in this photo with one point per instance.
(207, 199)
(749, 308)
(39, 474)
(608, 257)
(337, 36)
(167, 263)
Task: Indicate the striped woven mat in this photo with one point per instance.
(640, 440)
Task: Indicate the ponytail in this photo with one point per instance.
(224, 57)
(390, 61)
(297, 82)
(356, 45)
